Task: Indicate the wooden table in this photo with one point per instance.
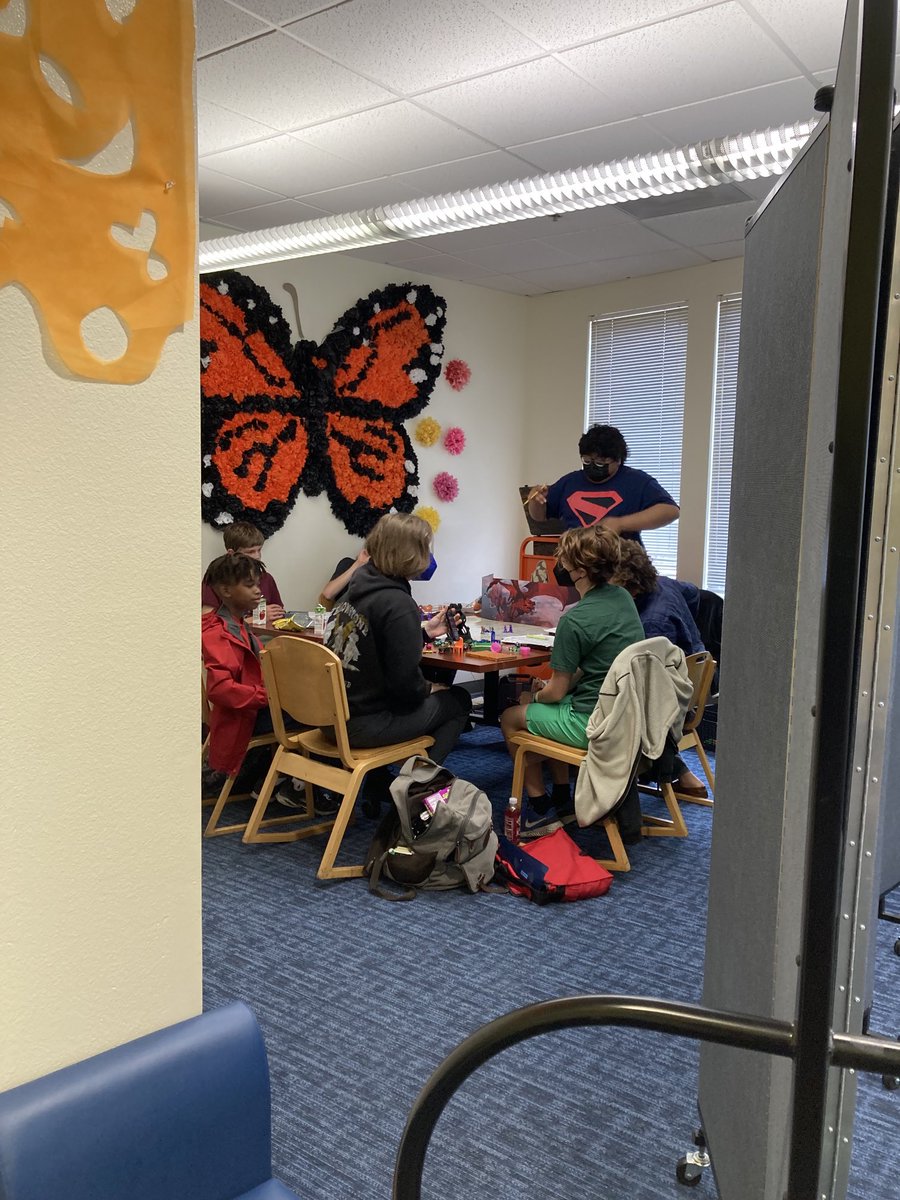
(488, 665)
(489, 668)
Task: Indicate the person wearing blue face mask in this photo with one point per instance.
(377, 631)
(334, 589)
(605, 490)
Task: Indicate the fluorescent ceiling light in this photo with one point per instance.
(707, 164)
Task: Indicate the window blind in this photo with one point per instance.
(636, 371)
(728, 337)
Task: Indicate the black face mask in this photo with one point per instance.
(562, 576)
(596, 472)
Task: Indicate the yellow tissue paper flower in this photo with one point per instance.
(429, 514)
(427, 431)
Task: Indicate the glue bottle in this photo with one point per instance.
(511, 819)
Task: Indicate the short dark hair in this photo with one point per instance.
(605, 441)
(230, 569)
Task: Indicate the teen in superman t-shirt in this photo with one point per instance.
(604, 489)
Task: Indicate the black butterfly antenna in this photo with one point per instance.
(292, 292)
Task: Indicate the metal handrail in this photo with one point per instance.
(637, 1012)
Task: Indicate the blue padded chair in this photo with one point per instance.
(182, 1114)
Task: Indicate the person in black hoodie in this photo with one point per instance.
(376, 630)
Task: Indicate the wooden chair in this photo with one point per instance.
(702, 669)
(306, 680)
(527, 743)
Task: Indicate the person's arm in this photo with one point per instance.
(537, 502)
(399, 642)
(559, 685)
(274, 603)
(338, 582)
(223, 690)
(654, 517)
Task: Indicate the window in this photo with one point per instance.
(636, 367)
(727, 340)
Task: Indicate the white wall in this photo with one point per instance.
(99, 720)
(481, 530)
(557, 363)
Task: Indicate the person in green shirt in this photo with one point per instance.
(588, 638)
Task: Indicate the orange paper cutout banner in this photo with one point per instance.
(56, 240)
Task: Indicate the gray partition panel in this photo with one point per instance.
(795, 270)
(755, 881)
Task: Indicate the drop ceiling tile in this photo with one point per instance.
(408, 45)
(507, 233)
(219, 129)
(687, 58)
(507, 283)
(396, 137)
(456, 176)
(587, 274)
(724, 250)
(267, 216)
(220, 25)
(572, 22)
(278, 82)
(610, 241)
(279, 12)
(739, 112)
(624, 139)
(704, 228)
(447, 267)
(284, 164)
(518, 256)
(535, 100)
(811, 28)
(759, 188)
(219, 194)
(392, 254)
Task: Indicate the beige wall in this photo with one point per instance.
(480, 532)
(99, 720)
(557, 364)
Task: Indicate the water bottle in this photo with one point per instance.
(511, 819)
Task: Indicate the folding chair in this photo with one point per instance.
(702, 669)
(528, 743)
(306, 680)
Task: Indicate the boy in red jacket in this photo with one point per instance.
(234, 683)
(244, 538)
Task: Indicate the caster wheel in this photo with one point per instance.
(688, 1173)
(891, 1082)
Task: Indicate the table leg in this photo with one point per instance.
(490, 713)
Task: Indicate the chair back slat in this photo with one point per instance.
(306, 680)
(701, 669)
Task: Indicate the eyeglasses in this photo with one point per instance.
(597, 461)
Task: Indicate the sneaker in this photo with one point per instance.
(291, 793)
(327, 803)
(534, 824)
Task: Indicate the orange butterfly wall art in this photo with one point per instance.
(280, 418)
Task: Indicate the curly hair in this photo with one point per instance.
(635, 572)
(400, 545)
(605, 441)
(230, 569)
(594, 550)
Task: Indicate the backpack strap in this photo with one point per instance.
(376, 886)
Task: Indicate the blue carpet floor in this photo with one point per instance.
(359, 1000)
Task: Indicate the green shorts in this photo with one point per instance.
(558, 722)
